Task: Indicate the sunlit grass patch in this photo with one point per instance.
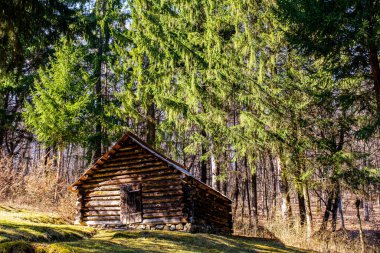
(9, 213)
(27, 231)
(165, 241)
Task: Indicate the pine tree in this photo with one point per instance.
(345, 32)
(58, 109)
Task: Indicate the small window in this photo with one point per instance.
(131, 206)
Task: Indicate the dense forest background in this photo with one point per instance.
(276, 104)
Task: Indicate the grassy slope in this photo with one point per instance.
(26, 231)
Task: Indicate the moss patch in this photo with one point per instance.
(16, 247)
(26, 231)
(166, 241)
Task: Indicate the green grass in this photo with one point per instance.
(27, 231)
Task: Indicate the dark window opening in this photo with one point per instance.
(131, 205)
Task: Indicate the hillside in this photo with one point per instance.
(28, 231)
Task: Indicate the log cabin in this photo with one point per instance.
(134, 186)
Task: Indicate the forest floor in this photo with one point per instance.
(32, 232)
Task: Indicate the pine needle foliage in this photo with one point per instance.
(58, 109)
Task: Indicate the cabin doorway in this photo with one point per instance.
(130, 204)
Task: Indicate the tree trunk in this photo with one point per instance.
(366, 210)
(98, 88)
(375, 69)
(286, 208)
(47, 155)
(246, 184)
(203, 166)
(214, 170)
(254, 201)
(309, 217)
(326, 215)
(151, 122)
(236, 191)
(3, 118)
(335, 209)
(357, 205)
(58, 167)
(265, 193)
(341, 214)
(243, 197)
(302, 207)
(274, 191)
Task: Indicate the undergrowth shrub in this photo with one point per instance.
(322, 241)
(37, 187)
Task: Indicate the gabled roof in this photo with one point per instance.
(145, 146)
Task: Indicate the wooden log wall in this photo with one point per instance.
(208, 210)
(162, 195)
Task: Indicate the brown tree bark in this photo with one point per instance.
(335, 207)
(302, 207)
(275, 182)
(286, 208)
(151, 122)
(375, 69)
(236, 188)
(215, 183)
(341, 214)
(309, 217)
(254, 200)
(203, 165)
(326, 214)
(357, 205)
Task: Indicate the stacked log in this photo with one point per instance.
(170, 199)
(79, 207)
(210, 212)
(162, 196)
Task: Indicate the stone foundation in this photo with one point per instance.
(183, 227)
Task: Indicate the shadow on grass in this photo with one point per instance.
(98, 246)
(204, 242)
(38, 233)
(149, 241)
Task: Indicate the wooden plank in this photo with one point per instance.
(131, 180)
(102, 218)
(166, 188)
(101, 208)
(127, 166)
(108, 222)
(162, 194)
(101, 213)
(102, 203)
(101, 198)
(133, 158)
(157, 200)
(162, 205)
(129, 152)
(103, 188)
(125, 171)
(102, 193)
(175, 220)
(159, 171)
(111, 182)
(162, 183)
(166, 177)
(160, 209)
(162, 214)
(129, 147)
